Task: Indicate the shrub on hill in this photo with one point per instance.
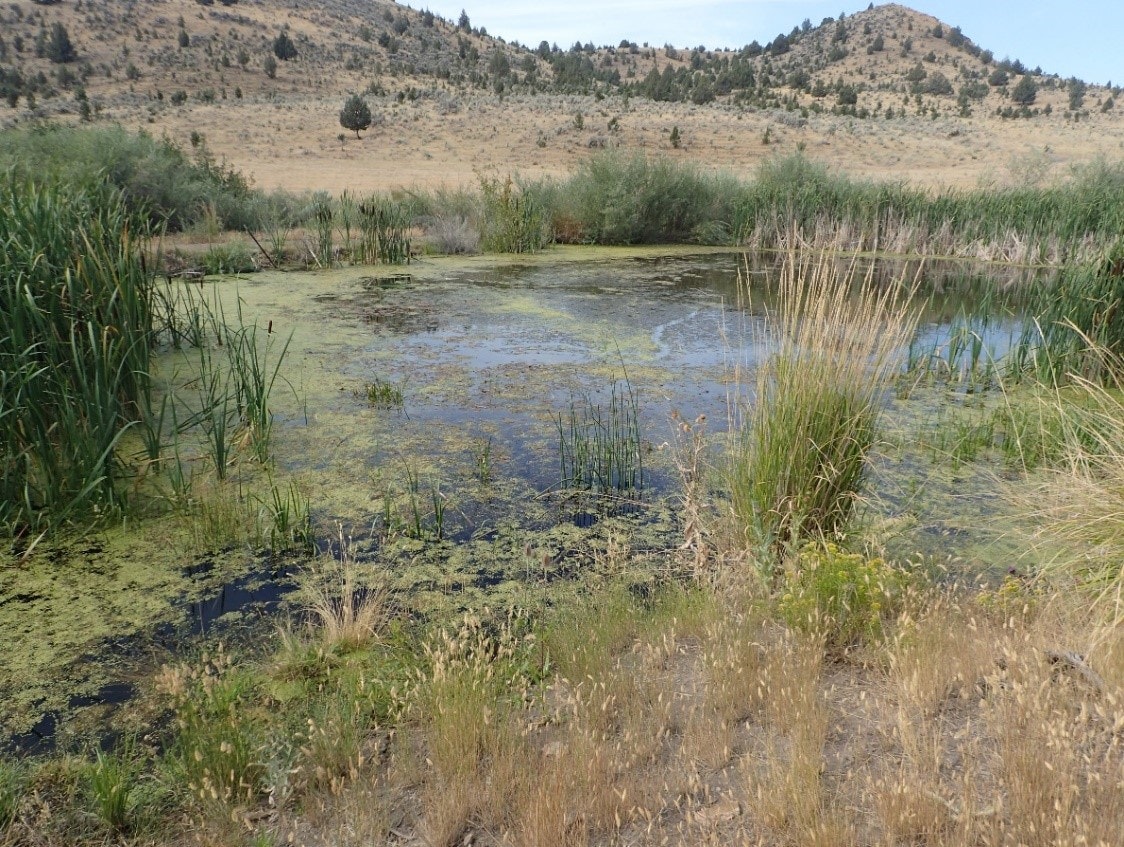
(284, 48)
(1025, 92)
(59, 48)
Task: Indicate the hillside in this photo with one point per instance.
(886, 91)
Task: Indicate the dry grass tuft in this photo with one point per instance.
(345, 613)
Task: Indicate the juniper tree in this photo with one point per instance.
(59, 48)
(1025, 92)
(284, 48)
(355, 114)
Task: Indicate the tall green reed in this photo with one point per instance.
(513, 218)
(323, 218)
(74, 350)
(384, 224)
(252, 376)
(1077, 321)
(600, 449)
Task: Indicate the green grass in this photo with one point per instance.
(13, 784)
(1078, 322)
(600, 449)
(228, 259)
(74, 350)
(799, 458)
(111, 779)
(384, 394)
(216, 756)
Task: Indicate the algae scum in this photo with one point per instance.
(427, 418)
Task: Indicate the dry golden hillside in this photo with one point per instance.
(886, 92)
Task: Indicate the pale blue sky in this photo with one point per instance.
(1083, 38)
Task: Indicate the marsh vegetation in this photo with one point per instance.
(582, 547)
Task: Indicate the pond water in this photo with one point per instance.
(456, 492)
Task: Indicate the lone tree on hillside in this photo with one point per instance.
(355, 114)
(284, 48)
(60, 49)
(1025, 92)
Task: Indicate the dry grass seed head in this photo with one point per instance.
(782, 776)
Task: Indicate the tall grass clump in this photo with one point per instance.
(384, 224)
(513, 218)
(799, 456)
(111, 779)
(601, 449)
(1077, 504)
(216, 756)
(74, 347)
(794, 191)
(252, 376)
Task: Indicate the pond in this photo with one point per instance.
(424, 414)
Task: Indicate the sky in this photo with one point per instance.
(1082, 38)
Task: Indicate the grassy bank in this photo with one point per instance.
(727, 713)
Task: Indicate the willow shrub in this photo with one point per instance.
(616, 198)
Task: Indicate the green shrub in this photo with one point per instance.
(842, 596)
(173, 188)
(616, 198)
